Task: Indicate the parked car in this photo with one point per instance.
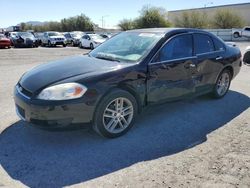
(245, 32)
(52, 38)
(132, 70)
(39, 37)
(73, 38)
(4, 41)
(91, 41)
(106, 36)
(23, 39)
(246, 57)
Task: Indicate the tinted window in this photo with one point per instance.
(203, 44)
(218, 45)
(247, 28)
(178, 47)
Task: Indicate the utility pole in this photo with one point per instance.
(103, 21)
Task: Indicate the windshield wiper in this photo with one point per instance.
(107, 57)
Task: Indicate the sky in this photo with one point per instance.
(112, 11)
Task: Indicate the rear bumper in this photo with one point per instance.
(47, 115)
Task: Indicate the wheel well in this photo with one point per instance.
(134, 94)
(125, 88)
(230, 69)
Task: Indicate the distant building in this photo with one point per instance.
(242, 10)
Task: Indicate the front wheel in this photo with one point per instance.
(49, 44)
(222, 84)
(80, 45)
(115, 114)
(91, 46)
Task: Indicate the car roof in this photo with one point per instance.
(167, 30)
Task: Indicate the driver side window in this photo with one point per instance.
(178, 47)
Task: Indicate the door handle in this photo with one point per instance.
(218, 58)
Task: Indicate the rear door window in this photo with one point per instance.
(247, 28)
(203, 44)
(219, 46)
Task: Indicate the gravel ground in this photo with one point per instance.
(197, 143)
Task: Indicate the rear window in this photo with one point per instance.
(203, 44)
(247, 28)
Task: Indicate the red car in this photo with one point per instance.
(4, 42)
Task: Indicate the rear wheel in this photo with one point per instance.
(222, 85)
(236, 35)
(115, 114)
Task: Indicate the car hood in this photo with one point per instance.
(99, 40)
(50, 73)
(57, 37)
(4, 39)
(28, 37)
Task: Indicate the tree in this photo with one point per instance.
(226, 19)
(151, 17)
(192, 20)
(126, 24)
(23, 26)
(76, 23)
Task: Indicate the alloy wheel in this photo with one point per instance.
(118, 115)
(223, 84)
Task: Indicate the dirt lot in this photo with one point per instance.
(197, 143)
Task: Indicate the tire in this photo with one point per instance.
(222, 84)
(91, 46)
(236, 35)
(49, 44)
(110, 121)
(80, 45)
(64, 45)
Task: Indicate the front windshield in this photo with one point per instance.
(54, 34)
(25, 34)
(127, 46)
(76, 35)
(2, 36)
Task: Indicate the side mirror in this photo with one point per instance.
(246, 57)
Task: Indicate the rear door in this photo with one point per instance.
(170, 72)
(209, 61)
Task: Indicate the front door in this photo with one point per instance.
(170, 72)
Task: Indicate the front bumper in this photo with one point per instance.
(56, 42)
(52, 114)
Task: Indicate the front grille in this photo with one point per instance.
(24, 91)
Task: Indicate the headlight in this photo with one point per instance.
(63, 92)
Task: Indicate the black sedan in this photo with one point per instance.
(114, 82)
